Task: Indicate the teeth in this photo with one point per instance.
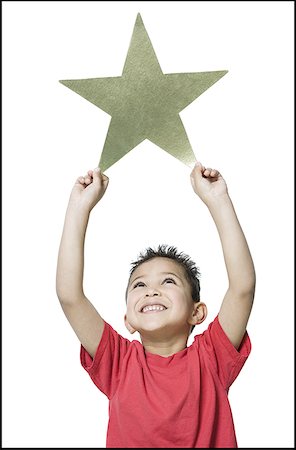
(153, 308)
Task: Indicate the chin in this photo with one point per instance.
(152, 327)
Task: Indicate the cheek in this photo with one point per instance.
(131, 301)
(182, 303)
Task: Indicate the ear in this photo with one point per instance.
(198, 314)
(128, 325)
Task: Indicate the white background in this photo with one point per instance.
(243, 126)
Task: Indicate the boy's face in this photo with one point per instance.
(159, 298)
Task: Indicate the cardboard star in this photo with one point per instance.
(144, 102)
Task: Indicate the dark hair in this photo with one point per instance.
(191, 271)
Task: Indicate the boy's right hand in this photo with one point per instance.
(88, 190)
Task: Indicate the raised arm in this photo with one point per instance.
(236, 307)
(82, 315)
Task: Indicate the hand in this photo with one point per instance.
(207, 183)
(89, 190)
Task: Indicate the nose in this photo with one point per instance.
(152, 293)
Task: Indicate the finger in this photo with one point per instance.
(80, 180)
(99, 176)
(197, 169)
(105, 178)
(87, 179)
(207, 172)
(214, 173)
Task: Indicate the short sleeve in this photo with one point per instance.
(104, 369)
(226, 360)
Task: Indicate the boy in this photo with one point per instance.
(163, 394)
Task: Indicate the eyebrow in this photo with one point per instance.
(162, 273)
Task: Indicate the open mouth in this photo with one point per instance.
(153, 308)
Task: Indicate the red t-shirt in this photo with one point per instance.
(179, 401)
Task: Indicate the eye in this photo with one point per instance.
(138, 284)
(169, 281)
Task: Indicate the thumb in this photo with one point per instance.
(197, 169)
(98, 176)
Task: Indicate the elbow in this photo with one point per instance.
(69, 297)
(252, 284)
(66, 291)
(249, 287)
(245, 289)
(249, 283)
(64, 295)
(248, 291)
(60, 291)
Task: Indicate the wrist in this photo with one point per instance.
(78, 210)
(218, 201)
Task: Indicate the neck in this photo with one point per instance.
(164, 347)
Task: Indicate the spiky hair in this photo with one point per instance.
(165, 251)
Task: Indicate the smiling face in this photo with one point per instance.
(159, 298)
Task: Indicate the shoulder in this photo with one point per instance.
(220, 354)
(215, 336)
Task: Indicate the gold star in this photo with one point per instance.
(144, 102)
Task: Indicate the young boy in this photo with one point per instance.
(163, 394)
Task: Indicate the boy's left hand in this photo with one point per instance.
(207, 183)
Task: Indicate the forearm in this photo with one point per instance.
(238, 260)
(70, 266)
